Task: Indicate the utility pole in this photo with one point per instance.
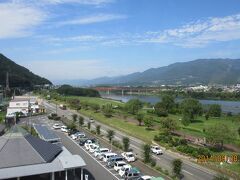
(7, 88)
(56, 108)
(7, 83)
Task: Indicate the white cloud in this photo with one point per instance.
(199, 33)
(84, 2)
(17, 20)
(191, 35)
(79, 38)
(93, 19)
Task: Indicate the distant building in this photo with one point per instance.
(199, 88)
(24, 105)
(18, 105)
(30, 158)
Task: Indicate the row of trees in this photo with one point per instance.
(73, 91)
(190, 108)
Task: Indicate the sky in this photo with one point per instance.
(86, 39)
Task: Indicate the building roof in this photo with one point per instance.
(46, 150)
(45, 134)
(22, 154)
(18, 100)
(19, 148)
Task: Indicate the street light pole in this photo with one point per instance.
(111, 145)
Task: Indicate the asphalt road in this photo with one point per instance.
(190, 170)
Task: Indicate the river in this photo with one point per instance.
(227, 106)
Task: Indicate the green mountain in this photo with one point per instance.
(201, 71)
(19, 76)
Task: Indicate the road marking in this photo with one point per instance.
(93, 158)
(188, 172)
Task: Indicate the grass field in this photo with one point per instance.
(2, 116)
(194, 129)
(127, 127)
(99, 101)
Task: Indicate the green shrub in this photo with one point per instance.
(195, 152)
(117, 144)
(204, 151)
(158, 168)
(166, 172)
(182, 142)
(93, 132)
(153, 163)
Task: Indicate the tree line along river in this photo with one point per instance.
(227, 106)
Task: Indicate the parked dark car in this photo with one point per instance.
(83, 140)
(72, 131)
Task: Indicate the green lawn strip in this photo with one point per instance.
(127, 127)
(2, 116)
(100, 101)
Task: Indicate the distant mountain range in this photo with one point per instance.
(201, 71)
(19, 76)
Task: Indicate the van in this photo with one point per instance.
(100, 151)
(111, 161)
(106, 156)
(118, 165)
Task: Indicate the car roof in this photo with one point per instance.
(127, 166)
(120, 162)
(134, 170)
(146, 176)
(116, 157)
(109, 153)
(129, 152)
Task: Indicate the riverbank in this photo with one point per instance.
(227, 106)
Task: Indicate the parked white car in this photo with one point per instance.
(118, 165)
(64, 129)
(156, 150)
(56, 126)
(125, 168)
(87, 144)
(101, 151)
(91, 120)
(128, 156)
(145, 177)
(77, 135)
(93, 148)
(106, 156)
(74, 136)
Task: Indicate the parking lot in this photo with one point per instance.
(94, 165)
